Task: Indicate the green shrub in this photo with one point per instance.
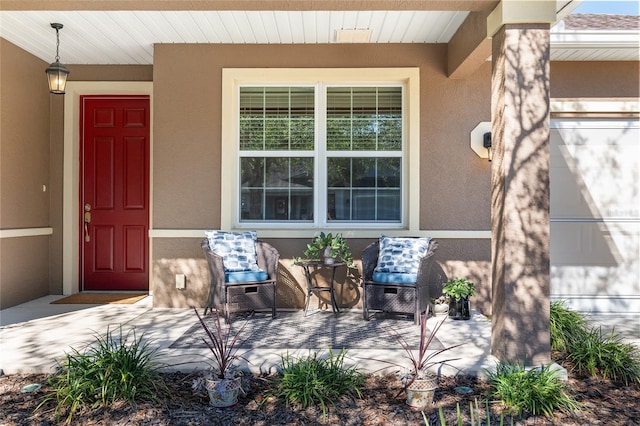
(536, 390)
(589, 350)
(313, 380)
(111, 369)
(566, 326)
(596, 353)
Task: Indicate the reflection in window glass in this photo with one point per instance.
(276, 188)
(361, 148)
(364, 118)
(363, 189)
(276, 118)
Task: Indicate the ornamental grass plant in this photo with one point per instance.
(607, 355)
(566, 326)
(421, 362)
(223, 342)
(315, 380)
(113, 368)
(538, 391)
(224, 380)
(591, 351)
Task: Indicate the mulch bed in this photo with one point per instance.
(382, 403)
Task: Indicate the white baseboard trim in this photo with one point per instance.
(25, 232)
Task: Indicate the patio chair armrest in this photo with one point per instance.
(370, 260)
(268, 258)
(423, 281)
(426, 262)
(216, 274)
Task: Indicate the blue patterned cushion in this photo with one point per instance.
(401, 255)
(238, 249)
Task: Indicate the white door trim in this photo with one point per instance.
(71, 163)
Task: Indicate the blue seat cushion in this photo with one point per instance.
(245, 276)
(395, 277)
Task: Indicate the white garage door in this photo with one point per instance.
(595, 215)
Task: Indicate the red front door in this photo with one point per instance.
(114, 204)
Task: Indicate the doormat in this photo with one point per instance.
(292, 330)
(100, 299)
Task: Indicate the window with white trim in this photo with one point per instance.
(325, 154)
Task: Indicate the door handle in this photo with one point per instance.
(87, 221)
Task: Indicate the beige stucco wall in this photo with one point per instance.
(189, 139)
(595, 79)
(24, 169)
(187, 148)
(111, 72)
(25, 139)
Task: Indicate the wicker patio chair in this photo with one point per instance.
(250, 295)
(391, 297)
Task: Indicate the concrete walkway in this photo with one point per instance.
(35, 336)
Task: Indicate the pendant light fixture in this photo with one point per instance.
(56, 72)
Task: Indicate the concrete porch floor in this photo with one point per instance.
(35, 335)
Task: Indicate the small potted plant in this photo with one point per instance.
(223, 382)
(419, 380)
(328, 248)
(459, 290)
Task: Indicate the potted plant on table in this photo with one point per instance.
(459, 290)
(419, 380)
(223, 382)
(328, 248)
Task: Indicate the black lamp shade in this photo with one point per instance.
(57, 76)
(486, 142)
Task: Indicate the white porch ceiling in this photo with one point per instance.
(128, 37)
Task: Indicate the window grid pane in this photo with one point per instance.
(364, 189)
(277, 118)
(364, 119)
(276, 188)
